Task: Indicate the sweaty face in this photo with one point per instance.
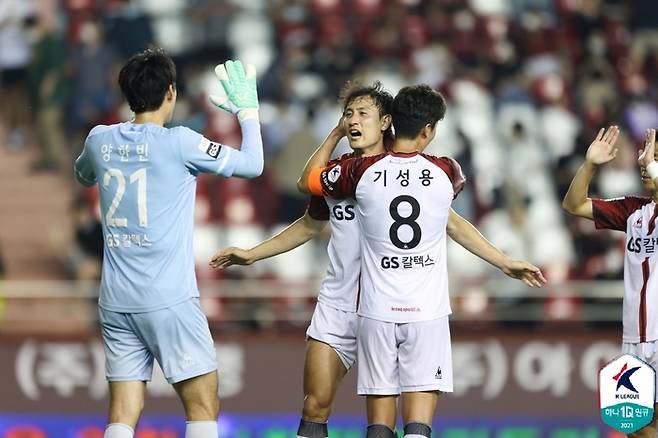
(362, 123)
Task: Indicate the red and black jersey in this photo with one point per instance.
(637, 217)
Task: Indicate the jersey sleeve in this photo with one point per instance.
(202, 155)
(612, 214)
(318, 208)
(83, 168)
(338, 180)
(453, 170)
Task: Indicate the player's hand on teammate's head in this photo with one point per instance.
(647, 154)
(603, 147)
(229, 257)
(240, 95)
(524, 271)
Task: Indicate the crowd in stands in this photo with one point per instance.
(528, 84)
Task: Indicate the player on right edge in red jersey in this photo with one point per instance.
(403, 205)
(637, 217)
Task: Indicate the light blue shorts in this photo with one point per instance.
(178, 337)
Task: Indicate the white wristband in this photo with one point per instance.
(652, 170)
(248, 114)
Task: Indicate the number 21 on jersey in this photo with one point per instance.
(139, 177)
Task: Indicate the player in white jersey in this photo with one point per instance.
(149, 300)
(637, 217)
(403, 207)
(331, 337)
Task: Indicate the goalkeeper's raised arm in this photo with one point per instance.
(240, 97)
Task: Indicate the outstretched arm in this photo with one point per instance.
(240, 97)
(321, 156)
(249, 161)
(464, 233)
(297, 233)
(601, 151)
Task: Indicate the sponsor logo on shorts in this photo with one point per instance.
(438, 374)
(188, 361)
(405, 309)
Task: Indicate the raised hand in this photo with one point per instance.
(524, 271)
(229, 257)
(240, 94)
(647, 154)
(340, 129)
(602, 149)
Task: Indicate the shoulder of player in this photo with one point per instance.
(350, 156)
(355, 164)
(359, 161)
(632, 202)
(440, 161)
(100, 129)
(344, 157)
(184, 133)
(637, 202)
(189, 138)
(347, 172)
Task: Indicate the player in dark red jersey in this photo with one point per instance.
(331, 337)
(403, 206)
(637, 218)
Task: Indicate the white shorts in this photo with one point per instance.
(178, 337)
(404, 357)
(647, 351)
(336, 328)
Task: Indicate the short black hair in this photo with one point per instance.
(145, 79)
(414, 107)
(383, 100)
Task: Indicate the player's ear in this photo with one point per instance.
(171, 92)
(385, 122)
(427, 131)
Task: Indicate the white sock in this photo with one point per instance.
(201, 429)
(414, 436)
(118, 430)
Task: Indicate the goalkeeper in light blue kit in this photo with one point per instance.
(149, 300)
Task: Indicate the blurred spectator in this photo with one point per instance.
(645, 34)
(85, 253)
(15, 52)
(2, 277)
(287, 165)
(128, 29)
(3, 271)
(49, 87)
(93, 64)
(528, 83)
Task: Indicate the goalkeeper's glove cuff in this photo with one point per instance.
(248, 114)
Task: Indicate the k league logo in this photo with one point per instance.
(334, 174)
(623, 378)
(627, 393)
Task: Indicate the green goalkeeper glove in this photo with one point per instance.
(240, 95)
